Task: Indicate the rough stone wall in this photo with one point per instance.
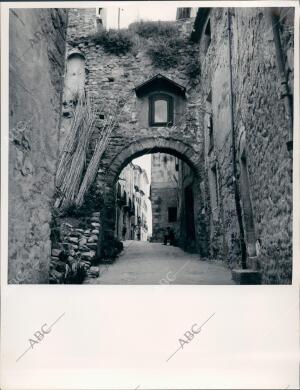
(75, 251)
(36, 55)
(81, 22)
(260, 114)
(261, 132)
(213, 92)
(111, 77)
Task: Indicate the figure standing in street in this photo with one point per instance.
(169, 236)
(124, 230)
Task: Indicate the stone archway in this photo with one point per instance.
(107, 177)
(143, 146)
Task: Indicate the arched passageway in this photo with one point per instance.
(192, 222)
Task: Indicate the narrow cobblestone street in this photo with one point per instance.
(153, 263)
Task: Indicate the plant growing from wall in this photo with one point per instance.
(165, 53)
(147, 29)
(54, 227)
(165, 48)
(116, 42)
(93, 201)
(193, 68)
(161, 41)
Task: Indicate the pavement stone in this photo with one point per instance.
(145, 263)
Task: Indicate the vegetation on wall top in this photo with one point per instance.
(115, 41)
(154, 29)
(165, 53)
(162, 41)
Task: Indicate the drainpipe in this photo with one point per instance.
(234, 162)
(285, 93)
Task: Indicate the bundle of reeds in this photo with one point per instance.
(101, 145)
(73, 157)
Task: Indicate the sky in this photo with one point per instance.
(132, 13)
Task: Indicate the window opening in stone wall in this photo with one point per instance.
(209, 124)
(210, 133)
(207, 36)
(247, 207)
(172, 214)
(215, 192)
(160, 110)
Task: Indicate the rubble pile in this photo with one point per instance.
(72, 258)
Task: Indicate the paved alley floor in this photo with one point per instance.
(153, 263)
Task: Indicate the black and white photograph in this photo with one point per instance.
(150, 176)
(151, 147)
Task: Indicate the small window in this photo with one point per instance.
(211, 133)
(160, 110)
(215, 187)
(207, 36)
(172, 214)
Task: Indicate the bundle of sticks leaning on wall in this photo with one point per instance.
(72, 179)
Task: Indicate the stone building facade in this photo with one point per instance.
(224, 107)
(164, 195)
(133, 77)
(174, 201)
(245, 96)
(132, 204)
(36, 69)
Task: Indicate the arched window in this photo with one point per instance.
(160, 110)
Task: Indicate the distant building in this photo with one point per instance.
(164, 194)
(101, 18)
(132, 203)
(186, 13)
(172, 196)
